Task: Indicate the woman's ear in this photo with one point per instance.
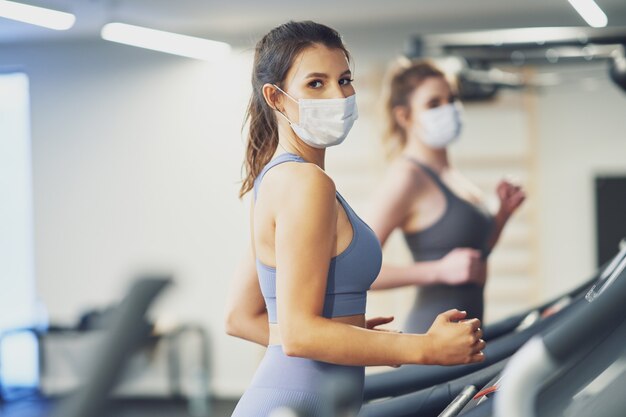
(402, 116)
(272, 96)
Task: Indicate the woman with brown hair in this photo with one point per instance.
(301, 288)
(445, 224)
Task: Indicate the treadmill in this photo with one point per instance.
(411, 378)
(127, 332)
(549, 372)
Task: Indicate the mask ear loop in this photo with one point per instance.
(285, 93)
(280, 112)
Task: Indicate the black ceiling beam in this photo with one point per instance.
(515, 39)
(481, 50)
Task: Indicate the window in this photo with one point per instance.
(18, 356)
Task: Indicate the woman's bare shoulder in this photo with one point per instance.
(292, 179)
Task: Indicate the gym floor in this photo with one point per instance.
(34, 406)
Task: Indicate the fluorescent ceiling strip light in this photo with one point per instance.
(171, 43)
(591, 12)
(51, 19)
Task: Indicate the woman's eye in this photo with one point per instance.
(315, 84)
(346, 81)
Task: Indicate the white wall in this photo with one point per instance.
(137, 160)
(582, 133)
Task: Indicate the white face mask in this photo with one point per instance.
(441, 126)
(324, 122)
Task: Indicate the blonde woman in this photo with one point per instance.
(440, 213)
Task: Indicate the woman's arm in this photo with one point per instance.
(459, 266)
(511, 197)
(246, 316)
(392, 202)
(391, 206)
(305, 241)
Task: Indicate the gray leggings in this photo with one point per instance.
(297, 383)
(435, 299)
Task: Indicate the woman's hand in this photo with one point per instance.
(511, 197)
(371, 324)
(455, 341)
(461, 266)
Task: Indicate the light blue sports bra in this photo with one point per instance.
(350, 274)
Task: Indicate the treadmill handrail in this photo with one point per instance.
(604, 313)
(542, 356)
(459, 402)
(522, 379)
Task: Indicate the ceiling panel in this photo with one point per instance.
(246, 19)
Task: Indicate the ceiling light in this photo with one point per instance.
(591, 12)
(48, 18)
(51, 19)
(172, 43)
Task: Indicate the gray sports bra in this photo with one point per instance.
(462, 225)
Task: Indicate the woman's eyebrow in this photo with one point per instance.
(323, 75)
(316, 75)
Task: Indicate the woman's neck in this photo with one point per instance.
(288, 142)
(434, 158)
